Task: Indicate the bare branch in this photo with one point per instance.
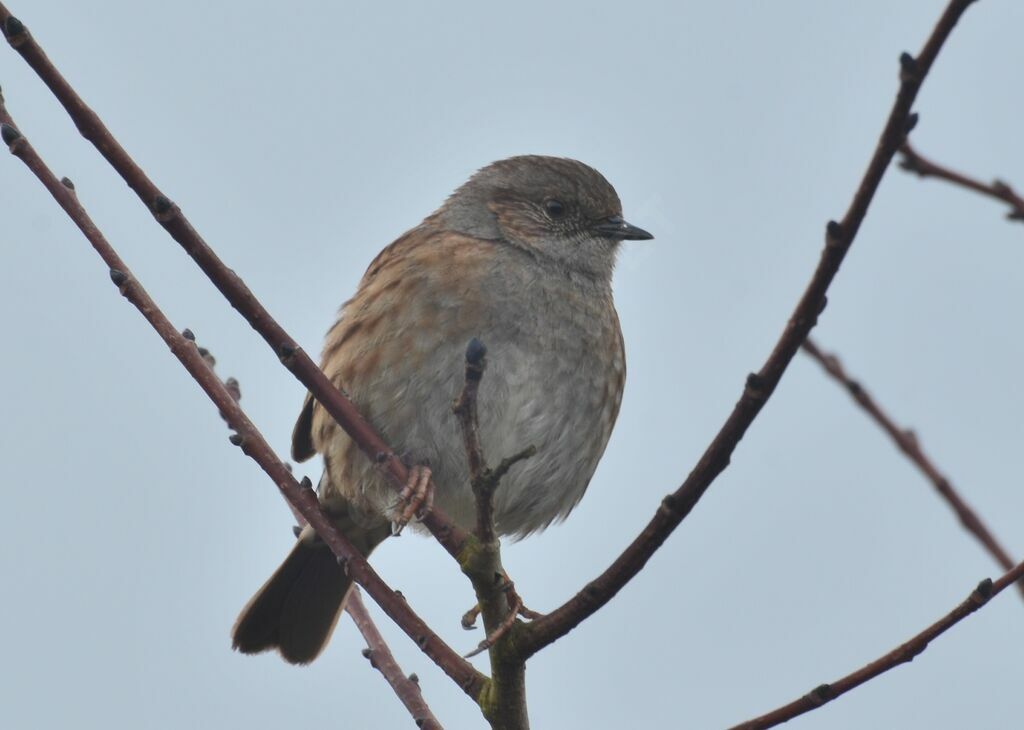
(759, 387)
(504, 698)
(246, 435)
(923, 167)
(381, 659)
(902, 654)
(907, 442)
(484, 479)
(227, 281)
(465, 410)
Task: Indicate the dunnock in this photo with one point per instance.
(521, 257)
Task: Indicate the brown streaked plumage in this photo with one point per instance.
(521, 257)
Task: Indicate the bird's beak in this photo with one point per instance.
(615, 227)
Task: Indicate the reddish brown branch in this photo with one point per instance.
(907, 442)
(759, 387)
(923, 167)
(902, 654)
(227, 281)
(406, 687)
(466, 411)
(246, 435)
(484, 480)
(505, 703)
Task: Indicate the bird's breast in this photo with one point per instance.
(554, 379)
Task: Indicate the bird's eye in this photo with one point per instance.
(555, 208)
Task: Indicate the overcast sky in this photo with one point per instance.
(301, 138)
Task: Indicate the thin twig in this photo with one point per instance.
(912, 161)
(406, 687)
(465, 410)
(169, 215)
(759, 387)
(908, 443)
(504, 703)
(246, 435)
(484, 480)
(902, 654)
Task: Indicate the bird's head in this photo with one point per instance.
(557, 209)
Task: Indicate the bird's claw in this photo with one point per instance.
(417, 495)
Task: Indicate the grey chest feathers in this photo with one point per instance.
(554, 380)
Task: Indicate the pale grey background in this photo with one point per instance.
(302, 138)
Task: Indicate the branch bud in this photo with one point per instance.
(475, 352)
(13, 27)
(161, 204)
(908, 67)
(820, 694)
(833, 232)
(9, 134)
(984, 591)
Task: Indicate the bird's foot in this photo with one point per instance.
(469, 617)
(514, 599)
(417, 496)
(501, 630)
(516, 608)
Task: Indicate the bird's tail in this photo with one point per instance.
(296, 609)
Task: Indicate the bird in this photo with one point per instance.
(520, 257)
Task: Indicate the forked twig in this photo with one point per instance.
(496, 601)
